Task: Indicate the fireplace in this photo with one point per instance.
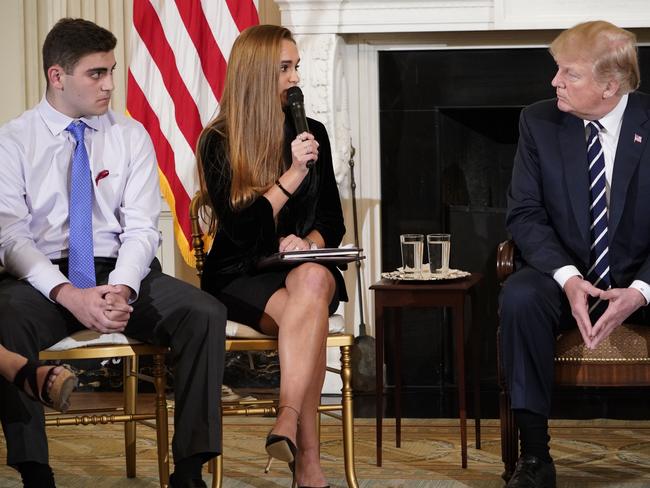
(448, 133)
(448, 125)
(449, 129)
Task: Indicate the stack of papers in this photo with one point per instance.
(321, 253)
(331, 255)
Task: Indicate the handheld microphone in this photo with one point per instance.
(296, 102)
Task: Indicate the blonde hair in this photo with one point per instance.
(612, 51)
(250, 116)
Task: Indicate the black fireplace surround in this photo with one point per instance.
(449, 129)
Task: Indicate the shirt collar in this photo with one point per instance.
(612, 121)
(57, 121)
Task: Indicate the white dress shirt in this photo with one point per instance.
(608, 136)
(35, 154)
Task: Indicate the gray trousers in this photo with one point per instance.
(167, 312)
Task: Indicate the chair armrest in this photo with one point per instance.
(197, 233)
(505, 260)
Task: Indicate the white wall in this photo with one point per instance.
(12, 97)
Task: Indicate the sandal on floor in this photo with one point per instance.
(58, 395)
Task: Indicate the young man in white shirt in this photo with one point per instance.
(50, 288)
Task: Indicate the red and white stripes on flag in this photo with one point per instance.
(179, 50)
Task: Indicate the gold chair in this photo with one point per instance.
(622, 360)
(88, 344)
(240, 337)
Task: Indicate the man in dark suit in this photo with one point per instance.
(579, 213)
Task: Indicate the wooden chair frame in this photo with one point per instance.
(343, 341)
(574, 370)
(128, 414)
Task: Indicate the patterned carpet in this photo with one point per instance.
(598, 453)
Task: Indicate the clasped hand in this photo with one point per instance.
(102, 308)
(622, 302)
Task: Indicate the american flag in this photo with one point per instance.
(179, 50)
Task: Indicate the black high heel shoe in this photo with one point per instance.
(282, 448)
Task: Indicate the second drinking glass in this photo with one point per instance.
(438, 246)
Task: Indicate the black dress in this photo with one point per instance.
(244, 236)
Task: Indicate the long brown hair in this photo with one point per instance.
(250, 116)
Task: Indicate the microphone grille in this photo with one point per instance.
(294, 94)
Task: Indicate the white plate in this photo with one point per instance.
(425, 275)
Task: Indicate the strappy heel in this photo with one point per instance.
(58, 395)
(282, 448)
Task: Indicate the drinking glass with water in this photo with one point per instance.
(438, 246)
(412, 252)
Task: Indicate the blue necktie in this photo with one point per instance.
(81, 260)
(598, 273)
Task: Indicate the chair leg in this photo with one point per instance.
(217, 471)
(319, 426)
(348, 417)
(130, 395)
(162, 428)
(216, 465)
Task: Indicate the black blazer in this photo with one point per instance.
(246, 235)
(548, 199)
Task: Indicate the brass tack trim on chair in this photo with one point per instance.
(602, 360)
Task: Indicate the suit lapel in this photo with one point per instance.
(573, 147)
(631, 143)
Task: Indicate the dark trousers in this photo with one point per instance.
(533, 309)
(167, 312)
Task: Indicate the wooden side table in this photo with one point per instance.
(451, 294)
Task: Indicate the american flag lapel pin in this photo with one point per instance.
(638, 138)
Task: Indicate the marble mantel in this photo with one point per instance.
(366, 16)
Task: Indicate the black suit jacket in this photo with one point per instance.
(548, 199)
(244, 236)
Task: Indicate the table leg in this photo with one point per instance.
(476, 357)
(397, 361)
(379, 372)
(459, 337)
